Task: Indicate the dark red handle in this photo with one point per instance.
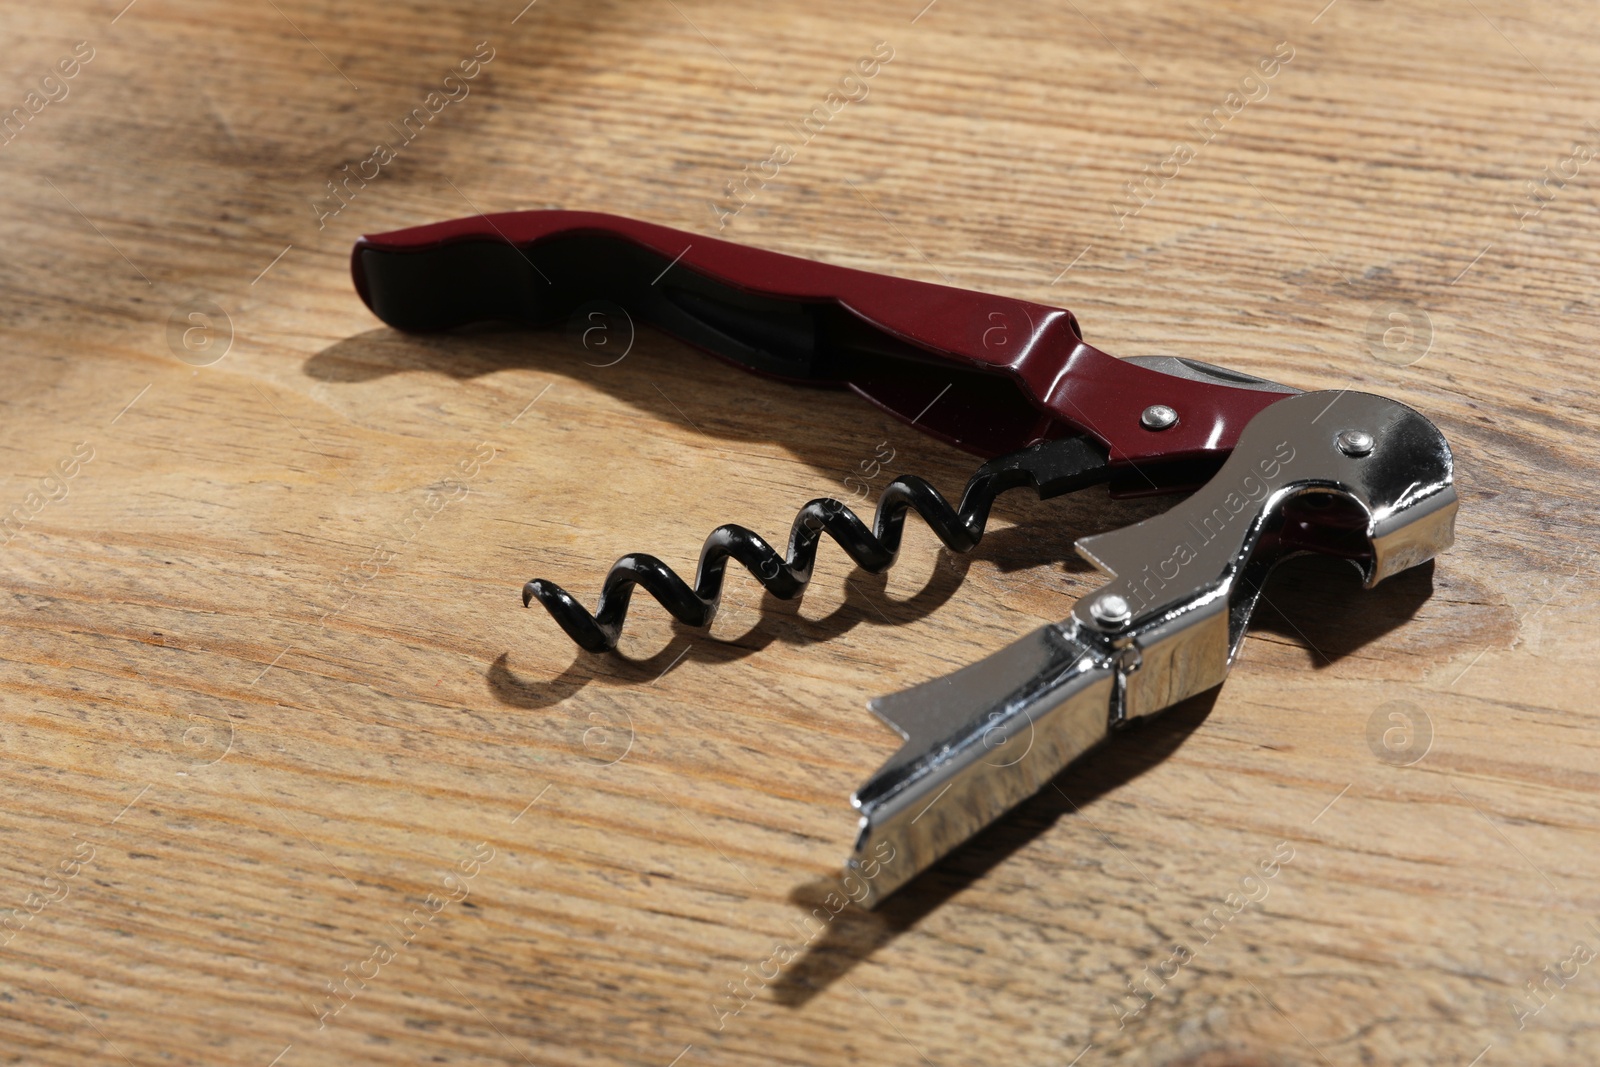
(989, 373)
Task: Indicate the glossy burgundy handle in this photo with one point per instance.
(989, 373)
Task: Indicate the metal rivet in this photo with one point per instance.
(1158, 417)
(1355, 442)
(1111, 610)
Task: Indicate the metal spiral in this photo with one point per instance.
(1051, 467)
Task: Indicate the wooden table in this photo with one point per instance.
(291, 778)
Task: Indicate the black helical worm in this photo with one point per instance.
(1051, 467)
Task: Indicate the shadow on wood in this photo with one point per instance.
(1319, 602)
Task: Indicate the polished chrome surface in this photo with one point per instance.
(988, 736)
(1192, 574)
(978, 742)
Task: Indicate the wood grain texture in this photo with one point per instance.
(270, 701)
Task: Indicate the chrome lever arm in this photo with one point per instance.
(1166, 626)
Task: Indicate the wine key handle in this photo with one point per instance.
(990, 373)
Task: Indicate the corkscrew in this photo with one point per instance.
(1050, 467)
(1273, 472)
